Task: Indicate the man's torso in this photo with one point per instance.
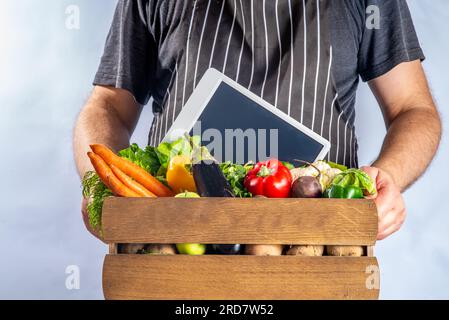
(302, 56)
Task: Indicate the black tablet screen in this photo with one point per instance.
(246, 131)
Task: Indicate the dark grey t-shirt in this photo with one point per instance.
(303, 56)
(370, 53)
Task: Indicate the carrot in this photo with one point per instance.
(109, 179)
(130, 183)
(132, 170)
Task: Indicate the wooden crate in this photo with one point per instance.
(245, 221)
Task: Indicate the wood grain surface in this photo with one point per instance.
(211, 277)
(249, 221)
(113, 248)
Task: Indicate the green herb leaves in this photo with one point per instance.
(95, 191)
(235, 174)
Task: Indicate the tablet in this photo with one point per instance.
(236, 125)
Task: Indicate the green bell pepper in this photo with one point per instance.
(339, 192)
(351, 184)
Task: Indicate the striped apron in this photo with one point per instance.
(279, 49)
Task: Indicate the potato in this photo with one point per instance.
(164, 249)
(131, 248)
(263, 250)
(306, 251)
(345, 251)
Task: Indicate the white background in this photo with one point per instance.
(45, 76)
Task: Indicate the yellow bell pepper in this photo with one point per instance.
(179, 177)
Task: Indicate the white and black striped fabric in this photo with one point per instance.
(278, 49)
(302, 56)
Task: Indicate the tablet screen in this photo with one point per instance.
(250, 132)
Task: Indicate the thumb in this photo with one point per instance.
(371, 171)
(374, 174)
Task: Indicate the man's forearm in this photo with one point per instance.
(108, 118)
(410, 145)
(97, 123)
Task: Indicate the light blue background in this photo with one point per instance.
(45, 76)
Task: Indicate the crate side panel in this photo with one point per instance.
(237, 277)
(251, 221)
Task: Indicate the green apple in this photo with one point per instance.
(192, 249)
(187, 195)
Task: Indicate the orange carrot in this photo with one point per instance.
(132, 170)
(130, 183)
(109, 179)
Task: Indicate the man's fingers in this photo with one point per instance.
(389, 197)
(391, 218)
(386, 221)
(385, 201)
(392, 229)
(392, 225)
(389, 231)
(85, 215)
(391, 209)
(389, 202)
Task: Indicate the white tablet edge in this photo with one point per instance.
(204, 92)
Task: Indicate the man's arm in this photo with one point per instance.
(109, 118)
(413, 137)
(412, 120)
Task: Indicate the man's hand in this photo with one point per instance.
(86, 219)
(389, 202)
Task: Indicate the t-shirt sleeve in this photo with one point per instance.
(393, 42)
(130, 52)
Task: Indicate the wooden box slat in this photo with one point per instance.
(250, 221)
(237, 277)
